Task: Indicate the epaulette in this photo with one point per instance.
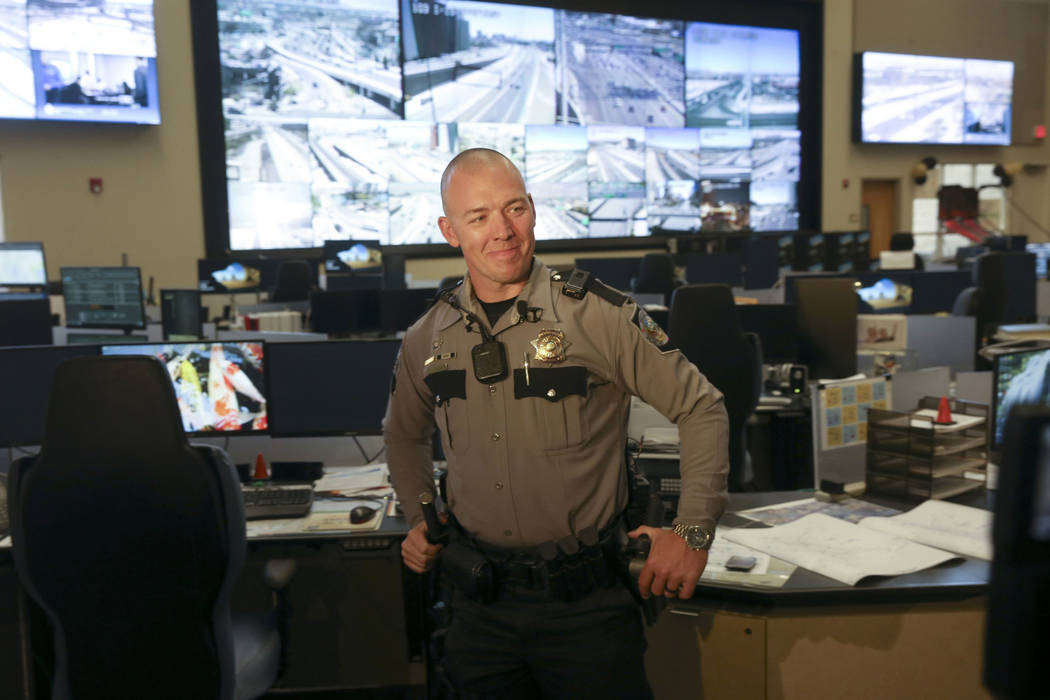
(579, 282)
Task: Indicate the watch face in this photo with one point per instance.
(697, 538)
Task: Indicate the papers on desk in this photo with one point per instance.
(875, 545)
(840, 550)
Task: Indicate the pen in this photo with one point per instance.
(526, 364)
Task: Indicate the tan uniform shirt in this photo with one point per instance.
(539, 455)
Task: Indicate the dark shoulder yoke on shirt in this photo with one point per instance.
(579, 282)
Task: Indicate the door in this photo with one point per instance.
(879, 212)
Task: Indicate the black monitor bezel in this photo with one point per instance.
(121, 326)
(211, 433)
(276, 432)
(25, 245)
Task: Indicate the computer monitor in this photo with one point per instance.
(25, 319)
(220, 386)
(399, 308)
(1017, 378)
(827, 327)
(761, 268)
(181, 317)
(356, 256)
(344, 311)
(1041, 252)
(715, 268)
(103, 297)
(333, 387)
(246, 275)
(935, 291)
(26, 374)
(22, 265)
(616, 272)
(775, 326)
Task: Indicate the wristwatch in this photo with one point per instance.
(695, 536)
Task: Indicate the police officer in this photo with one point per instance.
(528, 375)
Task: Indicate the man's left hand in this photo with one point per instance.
(672, 569)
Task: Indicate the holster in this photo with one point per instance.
(470, 571)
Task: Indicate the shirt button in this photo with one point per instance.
(496, 436)
(492, 388)
(508, 533)
(499, 485)
(551, 393)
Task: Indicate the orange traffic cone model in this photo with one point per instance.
(261, 470)
(944, 413)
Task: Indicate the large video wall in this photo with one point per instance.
(338, 119)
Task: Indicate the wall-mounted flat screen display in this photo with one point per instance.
(78, 60)
(339, 119)
(901, 98)
(220, 386)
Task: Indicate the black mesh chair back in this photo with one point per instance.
(656, 275)
(704, 325)
(129, 538)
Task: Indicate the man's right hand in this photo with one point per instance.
(418, 554)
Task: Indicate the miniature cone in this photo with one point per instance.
(261, 471)
(944, 413)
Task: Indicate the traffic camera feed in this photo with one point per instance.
(933, 99)
(621, 125)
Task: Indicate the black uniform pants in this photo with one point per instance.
(525, 646)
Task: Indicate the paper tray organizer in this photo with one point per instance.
(910, 456)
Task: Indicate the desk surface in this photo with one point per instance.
(954, 580)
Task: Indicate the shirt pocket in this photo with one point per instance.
(556, 396)
(449, 387)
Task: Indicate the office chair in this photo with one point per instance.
(656, 275)
(294, 282)
(906, 241)
(704, 325)
(1003, 292)
(130, 539)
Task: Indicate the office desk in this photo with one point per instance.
(913, 636)
(356, 613)
(356, 618)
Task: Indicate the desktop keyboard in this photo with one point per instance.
(264, 501)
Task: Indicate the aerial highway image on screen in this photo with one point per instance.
(989, 90)
(775, 155)
(616, 154)
(17, 96)
(744, 77)
(620, 70)
(617, 209)
(725, 153)
(479, 61)
(672, 154)
(673, 205)
(277, 57)
(912, 99)
(774, 206)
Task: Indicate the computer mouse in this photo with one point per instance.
(362, 514)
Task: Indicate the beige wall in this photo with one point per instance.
(150, 208)
(1001, 29)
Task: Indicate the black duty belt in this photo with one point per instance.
(567, 569)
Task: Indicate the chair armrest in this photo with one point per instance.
(278, 573)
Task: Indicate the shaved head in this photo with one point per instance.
(472, 160)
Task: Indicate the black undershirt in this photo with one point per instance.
(495, 309)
